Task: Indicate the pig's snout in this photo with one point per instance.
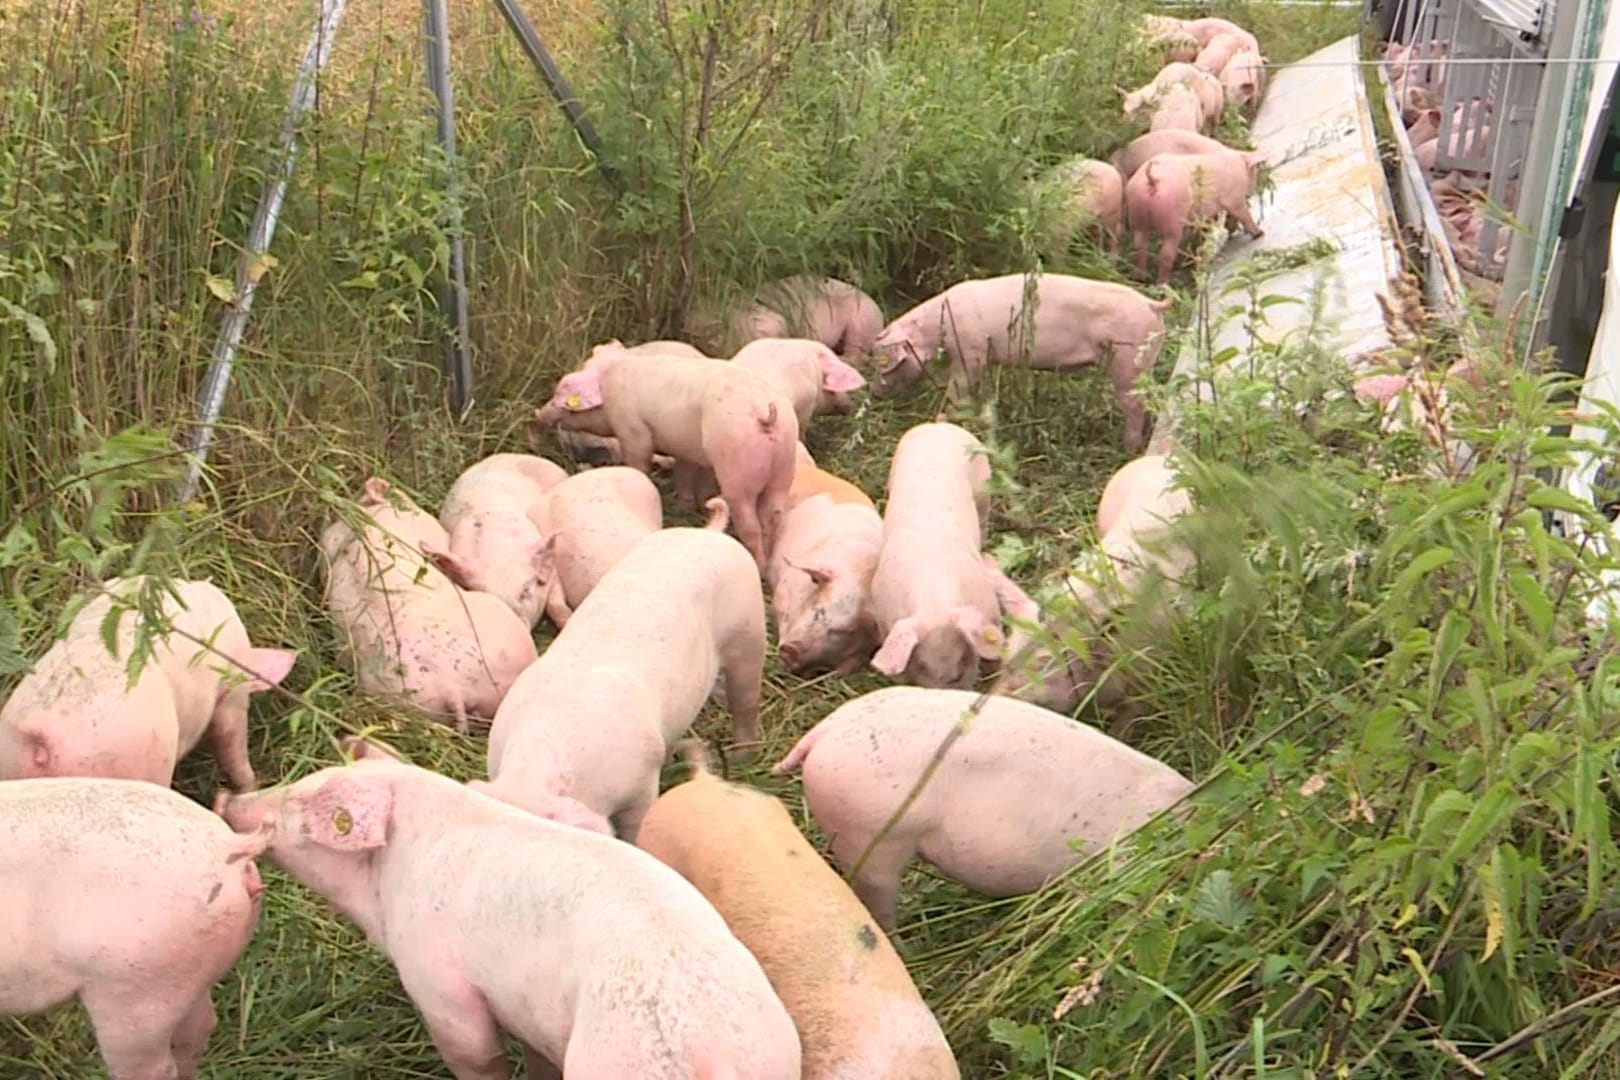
(791, 654)
(244, 813)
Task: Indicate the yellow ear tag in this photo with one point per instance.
(991, 635)
(573, 401)
(342, 823)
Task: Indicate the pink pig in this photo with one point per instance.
(1221, 48)
(1076, 323)
(820, 573)
(74, 714)
(1000, 816)
(601, 961)
(808, 372)
(495, 542)
(407, 629)
(592, 520)
(1161, 90)
(1173, 191)
(602, 449)
(823, 309)
(1177, 109)
(1135, 547)
(934, 605)
(705, 414)
(132, 899)
(1170, 141)
(1244, 79)
(1207, 29)
(1425, 127)
(586, 728)
(1094, 192)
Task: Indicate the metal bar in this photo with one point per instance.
(560, 89)
(248, 266)
(455, 361)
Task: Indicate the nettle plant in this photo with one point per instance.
(1383, 670)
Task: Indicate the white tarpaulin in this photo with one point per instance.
(1603, 71)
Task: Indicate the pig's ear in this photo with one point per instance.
(982, 634)
(453, 566)
(350, 812)
(268, 667)
(359, 749)
(892, 361)
(374, 490)
(892, 659)
(838, 377)
(579, 392)
(818, 575)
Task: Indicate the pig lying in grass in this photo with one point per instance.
(133, 900)
(603, 962)
(823, 309)
(586, 728)
(934, 605)
(1135, 550)
(495, 545)
(406, 629)
(1076, 323)
(1203, 31)
(999, 816)
(856, 1009)
(705, 414)
(820, 573)
(1172, 191)
(810, 374)
(76, 715)
(591, 449)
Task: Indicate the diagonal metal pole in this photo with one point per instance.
(542, 59)
(249, 265)
(456, 363)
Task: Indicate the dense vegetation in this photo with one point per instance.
(1402, 861)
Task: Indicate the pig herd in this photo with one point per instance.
(612, 930)
(1417, 76)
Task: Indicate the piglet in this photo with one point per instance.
(935, 608)
(75, 714)
(133, 900)
(583, 733)
(1076, 323)
(824, 309)
(1136, 549)
(856, 1009)
(1011, 798)
(1204, 86)
(808, 372)
(1173, 191)
(1207, 29)
(1243, 79)
(591, 449)
(820, 573)
(1088, 193)
(1145, 147)
(1221, 48)
(706, 414)
(1177, 108)
(407, 629)
(593, 519)
(599, 959)
(1425, 128)
(495, 542)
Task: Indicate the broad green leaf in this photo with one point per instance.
(223, 288)
(1532, 600)
(1218, 901)
(1420, 566)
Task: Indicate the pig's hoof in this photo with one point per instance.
(744, 751)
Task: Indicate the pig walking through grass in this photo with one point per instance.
(587, 727)
(1051, 322)
(603, 962)
(76, 715)
(810, 374)
(406, 629)
(1000, 816)
(703, 413)
(131, 899)
(1172, 191)
(604, 449)
(933, 602)
(858, 1013)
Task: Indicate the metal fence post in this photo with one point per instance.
(456, 363)
(248, 265)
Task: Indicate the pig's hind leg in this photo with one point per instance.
(878, 883)
(135, 1031)
(191, 1037)
(460, 1022)
(742, 666)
